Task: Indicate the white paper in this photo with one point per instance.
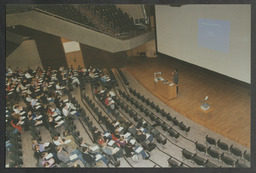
(39, 116)
(110, 143)
(23, 117)
(65, 100)
(22, 122)
(22, 113)
(54, 114)
(147, 135)
(58, 118)
(37, 107)
(73, 112)
(120, 129)
(98, 157)
(117, 123)
(95, 148)
(61, 122)
(48, 156)
(132, 141)
(67, 141)
(141, 129)
(127, 135)
(139, 149)
(46, 144)
(74, 156)
(106, 134)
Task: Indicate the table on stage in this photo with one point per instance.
(165, 89)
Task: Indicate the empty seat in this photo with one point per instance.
(222, 145)
(164, 126)
(169, 117)
(247, 156)
(208, 164)
(187, 154)
(210, 140)
(235, 151)
(183, 127)
(227, 160)
(213, 153)
(175, 121)
(200, 147)
(173, 163)
(198, 160)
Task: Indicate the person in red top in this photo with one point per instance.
(115, 136)
(102, 140)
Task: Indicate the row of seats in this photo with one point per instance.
(215, 154)
(172, 132)
(162, 112)
(119, 21)
(123, 77)
(68, 12)
(234, 150)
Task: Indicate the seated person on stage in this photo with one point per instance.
(110, 151)
(130, 150)
(141, 136)
(91, 158)
(66, 157)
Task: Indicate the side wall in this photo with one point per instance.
(25, 55)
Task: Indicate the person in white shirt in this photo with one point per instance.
(28, 98)
(65, 111)
(58, 88)
(17, 108)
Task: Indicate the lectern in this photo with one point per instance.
(165, 89)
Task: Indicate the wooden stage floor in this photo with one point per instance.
(230, 102)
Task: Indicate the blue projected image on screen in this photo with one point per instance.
(214, 34)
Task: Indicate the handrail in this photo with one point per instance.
(72, 21)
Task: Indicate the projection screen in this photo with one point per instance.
(215, 37)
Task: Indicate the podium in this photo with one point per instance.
(165, 89)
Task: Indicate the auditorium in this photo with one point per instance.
(128, 86)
